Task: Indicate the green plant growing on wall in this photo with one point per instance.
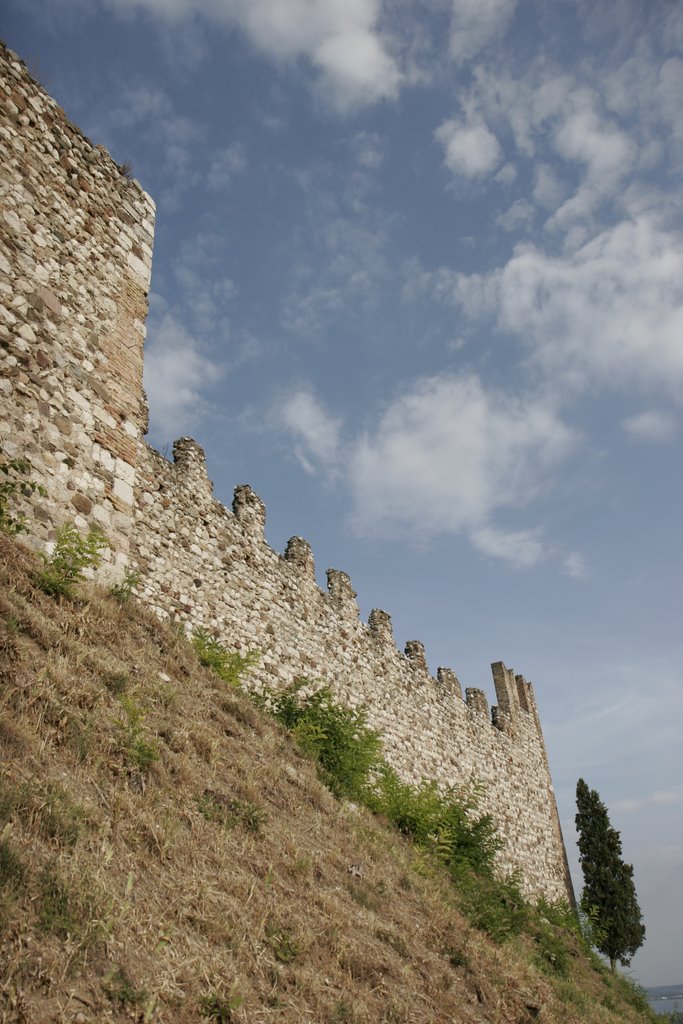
(229, 666)
(72, 555)
(14, 483)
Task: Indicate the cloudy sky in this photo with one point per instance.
(419, 280)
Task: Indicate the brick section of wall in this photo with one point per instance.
(204, 565)
(75, 262)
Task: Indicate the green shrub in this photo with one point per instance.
(72, 555)
(557, 933)
(284, 947)
(228, 665)
(634, 993)
(443, 821)
(139, 749)
(123, 590)
(492, 904)
(338, 738)
(456, 957)
(551, 952)
(13, 483)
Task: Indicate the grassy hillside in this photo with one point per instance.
(168, 855)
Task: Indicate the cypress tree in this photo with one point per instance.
(609, 894)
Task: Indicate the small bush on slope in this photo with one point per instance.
(338, 738)
(72, 555)
(229, 666)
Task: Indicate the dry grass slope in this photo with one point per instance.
(166, 854)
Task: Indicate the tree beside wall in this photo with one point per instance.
(609, 896)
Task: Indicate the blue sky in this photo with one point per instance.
(419, 280)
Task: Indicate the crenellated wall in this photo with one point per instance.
(75, 260)
(203, 564)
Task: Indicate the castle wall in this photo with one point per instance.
(75, 261)
(205, 565)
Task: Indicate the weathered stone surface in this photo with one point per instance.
(49, 299)
(82, 504)
(64, 281)
(75, 262)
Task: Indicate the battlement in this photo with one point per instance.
(185, 484)
(76, 240)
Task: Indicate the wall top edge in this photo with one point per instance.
(189, 468)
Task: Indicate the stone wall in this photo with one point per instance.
(204, 565)
(75, 261)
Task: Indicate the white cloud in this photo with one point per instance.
(167, 138)
(548, 191)
(477, 23)
(226, 165)
(574, 565)
(653, 425)
(369, 150)
(444, 458)
(609, 314)
(507, 174)
(340, 258)
(519, 215)
(175, 374)
(470, 148)
(340, 38)
(316, 430)
(606, 153)
(672, 795)
(522, 548)
(203, 296)
(447, 454)
(305, 311)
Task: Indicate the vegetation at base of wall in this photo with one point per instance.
(229, 666)
(15, 483)
(225, 882)
(445, 823)
(348, 751)
(123, 590)
(71, 556)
